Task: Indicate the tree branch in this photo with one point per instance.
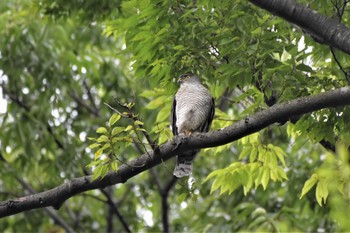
(15, 98)
(115, 210)
(58, 220)
(278, 112)
(54, 216)
(92, 109)
(91, 98)
(165, 205)
(323, 29)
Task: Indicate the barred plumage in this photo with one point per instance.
(192, 111)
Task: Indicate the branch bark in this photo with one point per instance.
(323, 29)
(165, 205)
(278, 112)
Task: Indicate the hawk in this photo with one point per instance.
(192, 111)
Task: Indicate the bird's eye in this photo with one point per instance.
(187, 77)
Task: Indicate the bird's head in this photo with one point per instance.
(188, 78)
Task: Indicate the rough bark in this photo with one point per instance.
(278, 112)
(323, 29)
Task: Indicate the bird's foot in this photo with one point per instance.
(180, 139)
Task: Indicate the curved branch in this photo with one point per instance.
(165, 205)
(323, 29)
(278, 112)
(115, 210)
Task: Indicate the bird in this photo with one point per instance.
(192, 111)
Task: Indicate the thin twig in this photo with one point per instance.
(340, 66)
(91, 98)
(81, 102)
(94, 197)
(116, 211)
(23, 105)
(135, 118)
(110, 212)
(49, 210)
(156, 180)
(340, 12)
(15, 98)
(116, 110)
(121, 161)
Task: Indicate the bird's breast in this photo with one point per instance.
(192, 108)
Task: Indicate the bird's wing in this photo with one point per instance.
(206, 125)
(173, 117)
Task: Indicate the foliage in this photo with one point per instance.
(110, 141)
(333, 175)
(62, 63)
(261, 166)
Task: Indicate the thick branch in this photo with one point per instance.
(324, 29)
(278, 112)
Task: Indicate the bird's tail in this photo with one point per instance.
(183, 166)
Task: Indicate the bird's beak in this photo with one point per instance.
(180, 80)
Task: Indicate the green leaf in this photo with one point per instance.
(273, 174)
(94, 163)
(130, 105)
(114, 165)
(101, 130)
(122, 139)
(249, 183)
(113, 119)
(243, 175)
(280, 154)
(106, 146)
(305, 68)
(128, 128)
(117, 130)
(256, 31)
(217, 183)
(180, 198)
(309, 184)
(179, 47)
(253, 155)
(97, 172)
(155, 103)
(164, 113)
(272, 159)
(94, 145)
(245, 152)
(285, 56)
(104, 170)
(137, 122)
(224, 187)
(102, 138)
(98, 153)
(265, 177)
(211, 175)
(258, 176)
(321, 192)
(281, 173)
(262, 155)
